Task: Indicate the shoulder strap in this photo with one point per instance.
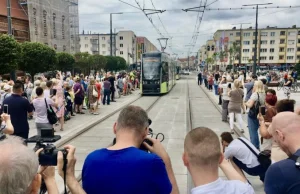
(296, 159)
(248, 147)
(5, 96)
(250, 90)
(46, 103)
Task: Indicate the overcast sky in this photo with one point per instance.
(94, 16)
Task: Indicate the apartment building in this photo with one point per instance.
(277, 48)
(123, 45)
(143, 46)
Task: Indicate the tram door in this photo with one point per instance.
(165, 73)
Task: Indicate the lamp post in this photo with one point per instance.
(111, 33)
(256, 34)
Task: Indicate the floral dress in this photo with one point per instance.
(92, 99)
(60, 100)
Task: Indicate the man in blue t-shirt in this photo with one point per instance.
(284, 176)
(123, 167)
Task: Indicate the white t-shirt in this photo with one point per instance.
(47, 93)
(225, 92)
(221, 186)
(241, 152)
(41, 110)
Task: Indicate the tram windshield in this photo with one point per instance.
(151, 68)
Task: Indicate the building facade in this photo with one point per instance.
(20, 23)
(277, 48)
(125, 44)
(187, 63)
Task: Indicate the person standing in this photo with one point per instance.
(79, 96)
(205, 76)
(59, 100)
(234, 107)
(225, 98)
(19, 108)
(199, 78)
(210, 82)
(106, 96)
(93, 100)
(111, 79)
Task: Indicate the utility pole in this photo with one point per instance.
(111, 33)
(256, 35)
(8, 4)
(240, 51)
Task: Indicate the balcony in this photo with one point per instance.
(281, 61)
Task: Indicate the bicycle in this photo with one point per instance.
(280, 86)
(294, 87)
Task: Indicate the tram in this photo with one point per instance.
(158, 73)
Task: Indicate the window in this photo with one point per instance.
(254, 41)
(281, 49)
(264, 42)
(291, 42)
(246, 42)
(86, 46)
(245, 58)
(282, 41)
(86, 38)
(103, 52)
(290, 57)
(272, 33)
(263, 50)
(103, 38)
(121, 52)
(282, 33)
(253, 49)
(298, 57)
(231, 34)
(246, 50)
(238, 34)
(271, 58)
(299, 41)
(103, 45)
(272, 41)
(281, 57)
(121, 37)
(264, 34)
(292, 33)
(272, 50)
(290, 50)
(263, 58)
(247, 34)
(208, 48)
(254, 33)
(298, 49)
(213, 48)
(298, 32)
(121, 45)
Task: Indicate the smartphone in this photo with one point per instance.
(53, 92)
(5, 108)
(262, 110)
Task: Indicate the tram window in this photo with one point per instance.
(165, 71)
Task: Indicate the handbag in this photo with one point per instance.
(264, 157)
(51, 115)
(95, 93)
(254, 110)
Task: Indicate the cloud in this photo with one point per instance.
(94, 16)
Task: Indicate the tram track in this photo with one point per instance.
(82, 133)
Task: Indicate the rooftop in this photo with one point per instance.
(16, 10)
(294, 27)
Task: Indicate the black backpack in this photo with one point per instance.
(254, 110)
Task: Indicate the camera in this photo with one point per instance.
(48, 157)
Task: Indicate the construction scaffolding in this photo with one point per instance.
(54, 23)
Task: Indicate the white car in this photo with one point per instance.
(186, 73)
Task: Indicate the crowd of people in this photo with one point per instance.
(124, 168)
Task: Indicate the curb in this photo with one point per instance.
(236, 130)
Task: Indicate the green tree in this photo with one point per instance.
(10, 51)
(112, 63)
(98, 62)
(66, 62)
(234, 52)
(82, 61)
(222, 56)
(297, 68)
(37, 58)
(121, 64)
(209, 61)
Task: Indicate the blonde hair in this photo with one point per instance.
(237, 84)
(92, 82)
(203, 148)
(43, 85)
(259, 87)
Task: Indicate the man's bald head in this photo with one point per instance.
(285, 130)
(18, 166)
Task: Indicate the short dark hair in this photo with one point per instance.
(18, 87)
(49, 84)
(285, 105)
(68, 88)
(254, 77)
(133, 118)
(39, 91)
(271, 91)
(227, 137)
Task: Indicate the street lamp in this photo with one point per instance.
(111, 32)
(256, 34)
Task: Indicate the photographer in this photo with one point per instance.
(123, 167)
(20, 173)
(6, 125)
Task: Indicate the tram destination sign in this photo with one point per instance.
(151, 60)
